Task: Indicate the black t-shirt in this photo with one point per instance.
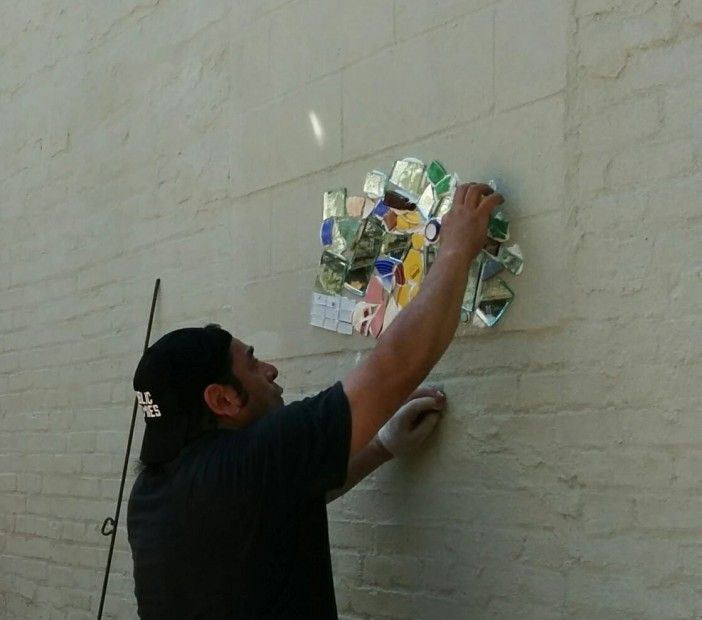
(236, 526)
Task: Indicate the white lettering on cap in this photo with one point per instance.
(147, 405)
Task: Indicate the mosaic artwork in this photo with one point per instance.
(378, 248)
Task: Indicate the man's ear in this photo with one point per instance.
(223, 400)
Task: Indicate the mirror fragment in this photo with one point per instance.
(512, 258)
(335, 203)
(374, 185)
(331, 273)
(408, 174)
(494, 299)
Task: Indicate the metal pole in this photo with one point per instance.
(109, 525)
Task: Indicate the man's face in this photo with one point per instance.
(258, 380)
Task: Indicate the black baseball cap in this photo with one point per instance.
(170, 380)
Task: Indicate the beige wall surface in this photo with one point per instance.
(172, 139)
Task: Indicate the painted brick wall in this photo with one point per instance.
(173, 139)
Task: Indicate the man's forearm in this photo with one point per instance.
(362, 464)
(420, 334)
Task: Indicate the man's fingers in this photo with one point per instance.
(490, 202)
(426, 425)
(460, 194)
(426, 403)
(427, 390)
(475, 193)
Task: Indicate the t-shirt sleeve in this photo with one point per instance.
(305, 445)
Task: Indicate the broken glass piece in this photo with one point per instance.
(346, 309)
(362, 315)
(512, 258)
(491, 248)
(316, 321)
(448, 183)
(338, 237)
(495, 297)
(330, 324)
(498, 228)
(410, 221)
(399, 274)
(335, 203)
(432, 230)
(427, 202)
(399, 200)
(325, 231)
(374, 185)
(430, 254)
(390, 220)
(492, 184)
(391, 311)
(468, 305)
(408, 174)
(385, 265)
(395, 244)
(368, 207)
(345, 328)
(375, 294)
(444, 206)
(354, 205)
(380, 209)
(491, 268)
(413, 266)
(375, 327)
(332, 272)
(405, 293)
(319, 299)
(366, 248)
(345, 315)
(436, 172)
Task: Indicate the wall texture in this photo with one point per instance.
(173, 139)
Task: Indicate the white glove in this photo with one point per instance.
(410, 425)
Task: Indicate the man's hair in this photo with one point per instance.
(227, 377)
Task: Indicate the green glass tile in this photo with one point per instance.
(436, 172)
(498, 228)
(446, 184)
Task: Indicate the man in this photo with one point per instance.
(228, 517)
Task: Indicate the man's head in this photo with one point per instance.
(197, 378)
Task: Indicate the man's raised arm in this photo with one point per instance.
(420, 334)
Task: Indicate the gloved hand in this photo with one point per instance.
(412, 423)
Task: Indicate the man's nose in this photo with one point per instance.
(271, 372)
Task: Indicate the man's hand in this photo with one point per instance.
(409, 427)
(464, 227)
